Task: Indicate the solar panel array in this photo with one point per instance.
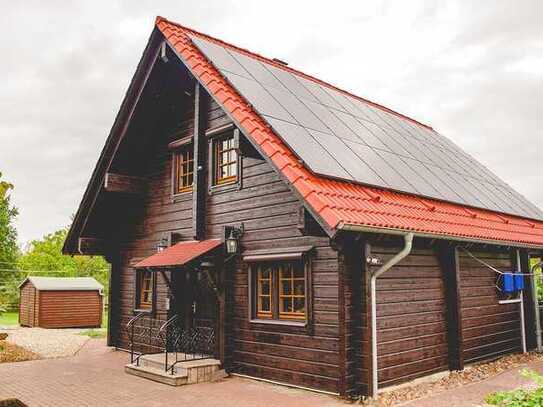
(341, 136)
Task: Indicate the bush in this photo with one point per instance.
(520, 397)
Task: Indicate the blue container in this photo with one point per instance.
(508, 284)
(519, 282)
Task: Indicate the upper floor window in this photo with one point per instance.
(183, 169)
(225, 160)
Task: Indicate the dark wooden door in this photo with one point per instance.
(196, 303)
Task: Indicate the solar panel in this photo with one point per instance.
(346, 158)
(258, 71)
(290, 82)
(301, 113)
(299, 139)
(258, 97)
(341, 136)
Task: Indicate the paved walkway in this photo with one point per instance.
(474, 394)
(95, 377)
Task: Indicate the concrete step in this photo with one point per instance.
(186, 372)
(157, 375)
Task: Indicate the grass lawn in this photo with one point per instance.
(9, 318)
(104, 319)
(94, 333)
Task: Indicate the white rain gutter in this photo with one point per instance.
(402, 232)
(408, 244)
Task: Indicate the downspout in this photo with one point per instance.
(408, 244)
(536, 304)
(521, 300)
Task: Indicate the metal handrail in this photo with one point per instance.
(134, 319)
(130, 329)
(167, 324)
(163, 336)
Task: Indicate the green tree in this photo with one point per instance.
(9, 251)
(44, 258)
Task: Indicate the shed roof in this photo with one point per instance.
(475, 205)
(64, 283)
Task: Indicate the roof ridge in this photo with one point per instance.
(292, 70)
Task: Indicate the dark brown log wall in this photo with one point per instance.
(411, 318)
(269, 211)
(489, 329)
(70, 309)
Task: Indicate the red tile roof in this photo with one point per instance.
(180, 253)
(340, 203)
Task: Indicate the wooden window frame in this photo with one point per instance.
(215, 137)
(138, 294)
(276, 316)
(177, 154)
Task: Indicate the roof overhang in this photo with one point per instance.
(116, 134)
(429, 235)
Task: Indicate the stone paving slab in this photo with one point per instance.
(96, 377)
(473, 395)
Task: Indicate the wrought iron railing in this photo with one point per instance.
(143, 336)
(148, 335)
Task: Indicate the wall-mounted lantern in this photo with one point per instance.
(163, 244)
(232, 240)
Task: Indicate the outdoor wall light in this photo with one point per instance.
(163, 244)
(232, 241)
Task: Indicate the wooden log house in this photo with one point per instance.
(256, 204)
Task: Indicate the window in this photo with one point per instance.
(279, 290)
(225, 160)
(183, 169)
(291, 292)
(264, 297)
(144, 290)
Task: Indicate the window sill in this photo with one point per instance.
(301, 324)
(181, 196)
(227, 186)
(143, 311)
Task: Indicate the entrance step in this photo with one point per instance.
(186, 372)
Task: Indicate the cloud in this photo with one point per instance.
(473, 70)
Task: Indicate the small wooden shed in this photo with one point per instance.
(60, 302)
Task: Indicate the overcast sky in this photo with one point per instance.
(471, 69)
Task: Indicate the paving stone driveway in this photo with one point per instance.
(95, 377)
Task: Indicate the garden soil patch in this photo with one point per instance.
(13, 353)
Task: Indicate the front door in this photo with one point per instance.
(195, 301)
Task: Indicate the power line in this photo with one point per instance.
(16, 272)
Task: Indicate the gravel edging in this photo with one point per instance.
(470, 375)
(48, 343)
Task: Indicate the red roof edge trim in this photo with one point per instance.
(288, 68)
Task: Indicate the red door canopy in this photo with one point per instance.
(180, 253)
